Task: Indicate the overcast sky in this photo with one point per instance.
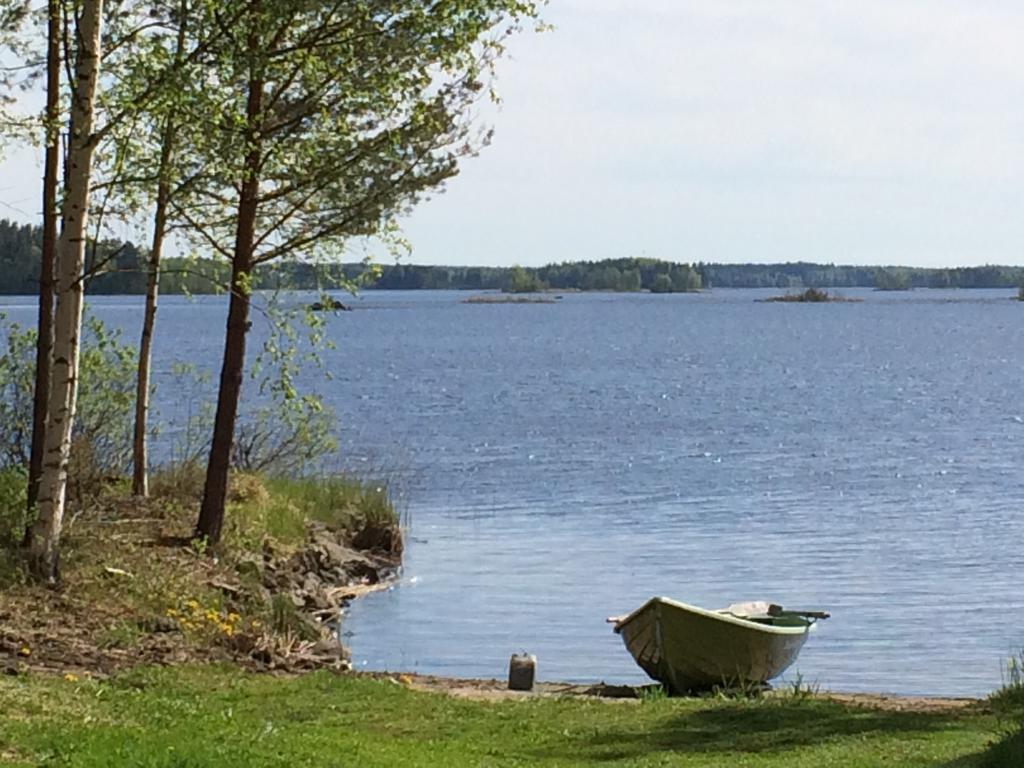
(860, 131)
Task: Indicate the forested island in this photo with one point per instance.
(116, 267)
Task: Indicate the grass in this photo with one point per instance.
(1010, 697)
(280, 507)
(337, 501)
(363, 508)
(1008, 704)
(136, 589)
(199, 716)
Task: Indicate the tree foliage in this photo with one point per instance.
(519, 280)
(322, 122)
(892, 279)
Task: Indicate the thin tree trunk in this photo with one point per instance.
(44, 549)
(44, 342)
(140, 460)
(211, 515)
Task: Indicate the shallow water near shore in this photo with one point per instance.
(560, 463)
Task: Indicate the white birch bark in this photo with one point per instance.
(45, 544)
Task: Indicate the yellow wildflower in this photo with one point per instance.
(71, 678)
(25, 651)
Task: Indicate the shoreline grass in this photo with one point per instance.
(210, 715)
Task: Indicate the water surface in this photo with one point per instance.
(561, 463)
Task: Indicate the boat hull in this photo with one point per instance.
(687, 648)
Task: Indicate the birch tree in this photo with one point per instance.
(84, 137)
(60, 412)
(332, 118)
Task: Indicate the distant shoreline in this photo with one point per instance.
(120, 268)
(495, 295)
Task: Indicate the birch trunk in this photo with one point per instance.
(44, 341)
(44, 549)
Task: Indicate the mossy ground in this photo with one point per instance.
(200, 716)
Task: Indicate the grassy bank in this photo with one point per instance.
(198, 716)
(136, 589)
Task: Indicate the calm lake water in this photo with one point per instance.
(562, 463)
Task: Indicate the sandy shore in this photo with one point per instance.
(496, 690)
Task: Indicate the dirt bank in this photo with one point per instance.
(136, 591)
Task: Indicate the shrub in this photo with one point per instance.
(102, 440)
(13, 514)
(814, 295)
(286, 437)
(17, 382)
(101, 443)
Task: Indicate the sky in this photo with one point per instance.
(854, 132)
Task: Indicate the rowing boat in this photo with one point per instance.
(687, 648)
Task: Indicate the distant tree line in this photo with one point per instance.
(621, 275)
(801, 274)
(116, 267)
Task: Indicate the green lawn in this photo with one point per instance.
(203, 716)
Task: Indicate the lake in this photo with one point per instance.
(560, 463)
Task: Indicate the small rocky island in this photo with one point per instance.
(330, 305)
(811, 296)
(504, 298)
